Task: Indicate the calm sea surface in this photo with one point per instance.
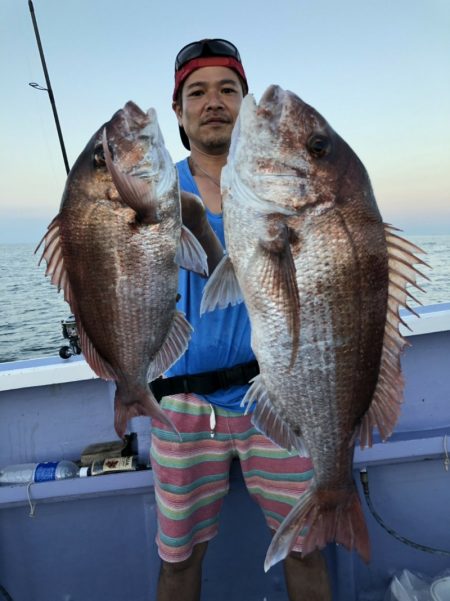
(31, 310)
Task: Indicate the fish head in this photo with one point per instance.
(136, 147)
(285, 153)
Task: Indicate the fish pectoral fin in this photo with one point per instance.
(269, 422)
(278, 278)
(190, 254)
(222, 288)
(174, 346)
(138, 194)
(194, 217)
(386, 402)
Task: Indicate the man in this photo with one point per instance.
(210, 83)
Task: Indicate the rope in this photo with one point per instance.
(30, 502)
(5, 594)
(406, 541)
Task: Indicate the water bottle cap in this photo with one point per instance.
(84, 471)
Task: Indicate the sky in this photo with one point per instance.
(377, 70)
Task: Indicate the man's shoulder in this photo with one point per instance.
(182, 165)
(187, 182)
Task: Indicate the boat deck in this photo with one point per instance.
(92, 539)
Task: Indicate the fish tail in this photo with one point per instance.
(341, 521)
(142, 402)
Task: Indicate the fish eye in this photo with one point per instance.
(319, 146)
(99, 155)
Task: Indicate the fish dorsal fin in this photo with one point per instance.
(268, 421)
(138, 194)
(386, 403)
(190, 254)
(174, 346)
(56, 269)
(222, 288)
(53, 256)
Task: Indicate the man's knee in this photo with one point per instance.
(314, 560)
(194, 561)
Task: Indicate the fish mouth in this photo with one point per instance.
(288, 176)
(272, 96)
(135, 115)
(137, 139)
(268, 114)
(130, 122)
(278, 169)
(278, 106)
(272, 103)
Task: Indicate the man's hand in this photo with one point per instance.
(194, 218)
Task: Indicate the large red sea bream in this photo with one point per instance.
(115, 248)
(323, 279)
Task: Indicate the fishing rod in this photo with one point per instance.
(49, 86)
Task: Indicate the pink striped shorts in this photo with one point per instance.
(191, 476)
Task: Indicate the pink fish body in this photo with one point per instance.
(115, 249)
(323, 280)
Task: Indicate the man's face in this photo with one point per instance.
(210, 102)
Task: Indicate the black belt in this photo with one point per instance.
(205, 382)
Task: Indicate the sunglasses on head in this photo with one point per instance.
(214, 47)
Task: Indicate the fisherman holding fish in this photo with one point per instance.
(203, 390)
(323, 280)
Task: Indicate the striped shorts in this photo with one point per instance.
(191, 476)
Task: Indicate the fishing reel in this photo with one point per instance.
(69, 330)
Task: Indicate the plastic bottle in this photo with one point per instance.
(38, 472)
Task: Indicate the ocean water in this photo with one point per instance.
(31, 310)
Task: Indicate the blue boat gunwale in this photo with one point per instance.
(52, 408)
(140, 482)
(54, 370)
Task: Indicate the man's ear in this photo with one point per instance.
(178, 111)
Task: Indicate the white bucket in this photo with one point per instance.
(440, 589)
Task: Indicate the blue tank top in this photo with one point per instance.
(221, 338)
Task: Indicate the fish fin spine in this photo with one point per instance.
(174, 346)
(95, 361)
(268, 421)
(340, 522)
(190, 254)
(53, 256)
(222, 288)
(386, 403)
